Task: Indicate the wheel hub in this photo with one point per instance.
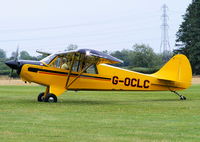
(51, 99)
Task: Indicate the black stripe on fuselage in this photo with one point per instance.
(58, 72)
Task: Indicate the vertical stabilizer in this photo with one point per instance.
(177, 69)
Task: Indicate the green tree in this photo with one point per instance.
(144, 56)
(122, 55)
(24, 55)
(188, 35)
(2, 54)
(4, 70)
(71, 47)
(141, 56)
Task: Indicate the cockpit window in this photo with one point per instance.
(92, 70)
(56, 63)
(48, 59)
(65, 61)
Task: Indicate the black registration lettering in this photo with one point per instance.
(146, 83)
(127, 81)
(138, 84)
(115, 80)
(133, 82)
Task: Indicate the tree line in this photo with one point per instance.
(140, 58)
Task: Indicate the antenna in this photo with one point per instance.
(164, 46)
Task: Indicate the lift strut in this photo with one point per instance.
(78, 76)
(70, 70)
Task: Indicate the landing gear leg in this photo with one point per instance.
(42, 95)
(47, 97)
(181, 96)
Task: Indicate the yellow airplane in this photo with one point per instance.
(87, 69)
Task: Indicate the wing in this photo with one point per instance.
(43, 52)
(103, 58)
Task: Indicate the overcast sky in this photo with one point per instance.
(111, 25)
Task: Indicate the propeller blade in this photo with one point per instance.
(16, 54)
(11, 72)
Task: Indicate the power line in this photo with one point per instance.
(77, 35)
(149, 14)
(70, 26)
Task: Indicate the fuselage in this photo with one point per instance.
(107, 78)
(87, 69)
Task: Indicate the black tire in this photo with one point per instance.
(51, 98)
(182, 98)
(41, 97)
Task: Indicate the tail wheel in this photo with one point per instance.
(182, 98)
(41, 97)
(51, 98)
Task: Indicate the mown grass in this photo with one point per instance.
(99, 116)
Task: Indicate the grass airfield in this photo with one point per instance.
(99, 116)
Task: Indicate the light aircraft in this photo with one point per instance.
(87, 69)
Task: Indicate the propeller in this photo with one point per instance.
(13, 64)
(16, 54)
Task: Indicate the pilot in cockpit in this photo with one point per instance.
(65, 64)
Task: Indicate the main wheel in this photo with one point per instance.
(41, 97)
(51, 98)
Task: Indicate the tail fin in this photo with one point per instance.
(177, 69)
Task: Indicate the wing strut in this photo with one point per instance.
(78, 75)
(70, 70)
(69, 84)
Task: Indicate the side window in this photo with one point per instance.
(80, 62)
(92, 70)
(75, 66)
(56, 63)
(65, 63)
(60, 62)
(88, 60)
